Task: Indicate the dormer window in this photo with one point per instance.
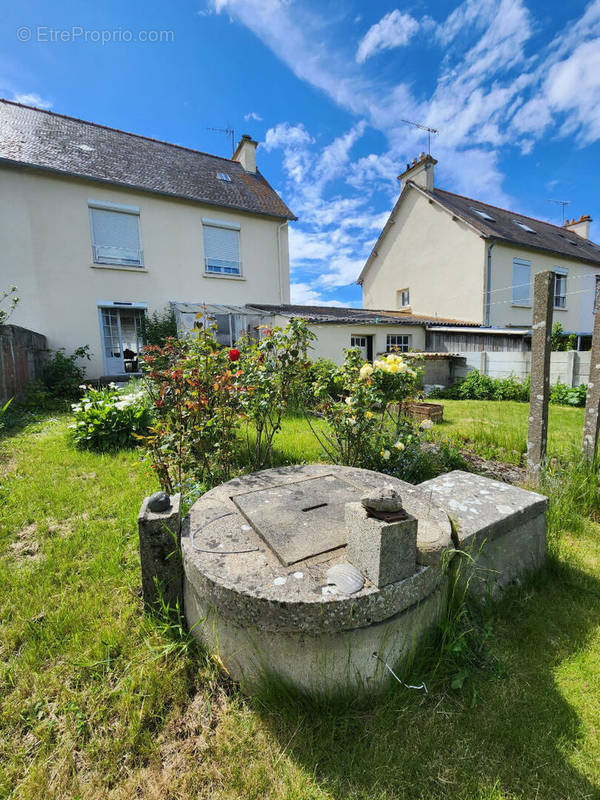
(223, 176)
(482, 214)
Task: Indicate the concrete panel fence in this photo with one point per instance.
(571, 367)
(22, 354)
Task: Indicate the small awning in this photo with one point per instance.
(231, 321)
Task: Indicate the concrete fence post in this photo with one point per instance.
(159, 527)
(543, 296)
(571, 357)
(592, 401)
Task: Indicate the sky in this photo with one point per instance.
(512, 86)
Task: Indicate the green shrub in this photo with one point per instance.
(107, 419)
(159, 326)
(481, 387)
(564, 395)
(62, 376)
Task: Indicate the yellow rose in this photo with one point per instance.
(369, 414)
(365, 371)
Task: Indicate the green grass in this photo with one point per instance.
(98, 701)
(499, 429)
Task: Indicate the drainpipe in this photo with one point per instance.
(488, 282)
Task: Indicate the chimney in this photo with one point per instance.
(579, 226)
(420, 171)
(245, 153)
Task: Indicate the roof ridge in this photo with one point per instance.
(509, 211)
(116, 130)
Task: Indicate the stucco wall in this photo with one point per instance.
(581, 282)
(332, 340)
(440, 261)
(46, 251)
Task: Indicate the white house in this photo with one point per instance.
(98, 225)
(444, 254)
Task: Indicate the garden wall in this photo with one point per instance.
(22, 354)
(571, 367)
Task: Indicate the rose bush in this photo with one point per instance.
(361, 406)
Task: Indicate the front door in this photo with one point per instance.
(364, 344)
(121, 339)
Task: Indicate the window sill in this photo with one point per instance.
(520, 305)
(120, 267)
(560, 308)
(404, 308)
(225, 276)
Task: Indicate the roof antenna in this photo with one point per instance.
(422, 128)
(562, 203)
(228, 132)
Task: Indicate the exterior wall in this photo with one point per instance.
(333, 339)
(22, 354)
(440, 261)
(45, 249)
(581, 282)
(569, 367)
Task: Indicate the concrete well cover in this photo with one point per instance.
(301, 519)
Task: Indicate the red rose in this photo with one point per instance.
(234, 354)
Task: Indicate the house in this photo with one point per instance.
(98, 226)
(444, 254)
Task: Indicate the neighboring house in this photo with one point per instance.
(444, 254)
(98, 226)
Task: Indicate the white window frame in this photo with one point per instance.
(398, 347)
(562, 275)
(518, 284)
(218, 273)
(400, 296)
(119, 208)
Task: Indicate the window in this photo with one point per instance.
(560, 288)
(398, 342)
(523, 226)
(358, 341)
(115, 234)
(482, 214)
(521, 281)
(402, 298)
(223, 176)
(222, 249)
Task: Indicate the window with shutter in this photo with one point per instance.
(116, 237)
(221, 250)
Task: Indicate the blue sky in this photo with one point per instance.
(512, 85)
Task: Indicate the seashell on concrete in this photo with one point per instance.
(346, 578)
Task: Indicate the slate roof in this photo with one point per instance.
(41, 139)
(356, 316)
(548, 237)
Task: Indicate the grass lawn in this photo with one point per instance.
(499, 429)
(97, 701)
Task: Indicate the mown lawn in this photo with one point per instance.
(499, 429)
(98, 701)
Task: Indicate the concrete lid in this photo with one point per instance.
(228, 562)
(482, 508)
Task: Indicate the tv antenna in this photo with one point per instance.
(561, 203)
(422, 128)
(228, 132)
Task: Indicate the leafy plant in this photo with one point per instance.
(62, 376)
(107, 419)
(13, 300)
(273, 371)
(365, 402)
(560, 341)
(159, 326)
(3, 412)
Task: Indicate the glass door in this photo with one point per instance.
(121, 339)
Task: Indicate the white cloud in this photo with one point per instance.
(573, 87)
(253, 115)
(286, 134)
(393, 30)
(32, 99)
(305, 295)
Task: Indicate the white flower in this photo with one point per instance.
(386, 455)
(426, 425)
(349, 401)
(399, 446)
(365, 371)
(82, 386)
(112, 385)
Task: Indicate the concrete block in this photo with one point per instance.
(160, 555)
(385, 552)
